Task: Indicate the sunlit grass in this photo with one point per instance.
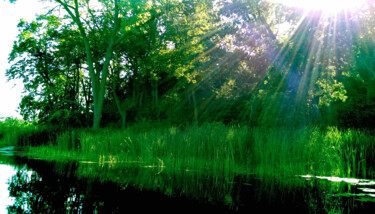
(219, 148)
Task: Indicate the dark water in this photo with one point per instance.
(32, 186)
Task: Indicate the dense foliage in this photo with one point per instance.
(179, 62)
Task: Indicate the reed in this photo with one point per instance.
(12, 130)
(219, 148)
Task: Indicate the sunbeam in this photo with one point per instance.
(326, 6)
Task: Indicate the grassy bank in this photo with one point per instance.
(12, 131)
(219, 148)
(18, 133)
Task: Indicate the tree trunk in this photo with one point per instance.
(370, 96)
(98, 77)
(123, 119)
(120, 110)
(155, 93)
(195, 119)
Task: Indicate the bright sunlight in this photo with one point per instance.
(327, 6)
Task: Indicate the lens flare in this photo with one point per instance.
(327, 6)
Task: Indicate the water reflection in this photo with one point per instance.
(41, 193)
(46, 187)
(62, 188)
(5, 200)
(352, 181)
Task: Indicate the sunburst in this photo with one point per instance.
(326, 6)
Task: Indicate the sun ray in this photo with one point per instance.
(313, 50)
(326, 6)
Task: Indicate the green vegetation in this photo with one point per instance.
(18, 133)
(218, 86)
(118, 63)
(51, 184)
(220, 149)
(11, 131)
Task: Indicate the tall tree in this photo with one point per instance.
(98, 74)
(105, 18)
(49, 60)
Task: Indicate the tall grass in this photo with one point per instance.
(11, 131)
(219, 148)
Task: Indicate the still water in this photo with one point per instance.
(34, 186)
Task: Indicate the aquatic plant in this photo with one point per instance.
(242, 149)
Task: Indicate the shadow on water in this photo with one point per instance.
(73, 187)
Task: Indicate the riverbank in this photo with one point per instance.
(216, 147)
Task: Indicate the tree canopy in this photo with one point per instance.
(256, 62)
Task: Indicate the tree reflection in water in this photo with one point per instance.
(47, 187)
(44, 193)
(56, 188)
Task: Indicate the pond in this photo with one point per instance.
(35, 186)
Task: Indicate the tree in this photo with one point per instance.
(49, 59)
(100, 25)
(228, 61)
(98, 74)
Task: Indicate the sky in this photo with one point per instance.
(10, 15)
